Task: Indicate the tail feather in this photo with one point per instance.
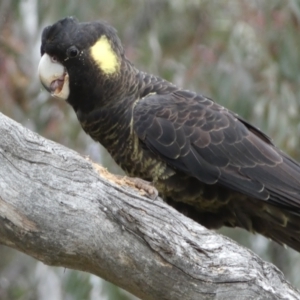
(276, 223)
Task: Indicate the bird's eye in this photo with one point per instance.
(72, 52)
(54, 59)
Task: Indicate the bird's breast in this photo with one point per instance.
(113, 130)
(137, 161)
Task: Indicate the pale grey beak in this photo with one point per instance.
(54, 77)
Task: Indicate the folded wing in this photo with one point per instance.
(197, 136)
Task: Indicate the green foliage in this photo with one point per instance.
(77, 286)
(244, 54)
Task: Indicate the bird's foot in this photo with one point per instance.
(145, 187)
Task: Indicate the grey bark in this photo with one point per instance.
(56, 206)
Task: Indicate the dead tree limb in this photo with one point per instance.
(62, 209)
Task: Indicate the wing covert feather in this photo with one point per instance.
(201, 138)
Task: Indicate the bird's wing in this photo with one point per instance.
(195, 135)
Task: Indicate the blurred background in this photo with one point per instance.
(243, 54)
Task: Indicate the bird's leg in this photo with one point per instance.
(144, 186)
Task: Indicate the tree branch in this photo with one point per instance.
(66, 211)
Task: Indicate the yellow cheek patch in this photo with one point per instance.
(104, 56)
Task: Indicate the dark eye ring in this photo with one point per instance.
(72, 52)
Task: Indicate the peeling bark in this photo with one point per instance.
(56, 206)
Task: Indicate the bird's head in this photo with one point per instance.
(77, 58)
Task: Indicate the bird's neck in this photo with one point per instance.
(104, 105)
(109, 120)
(106, 114)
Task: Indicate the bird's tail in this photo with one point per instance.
(282, 225)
